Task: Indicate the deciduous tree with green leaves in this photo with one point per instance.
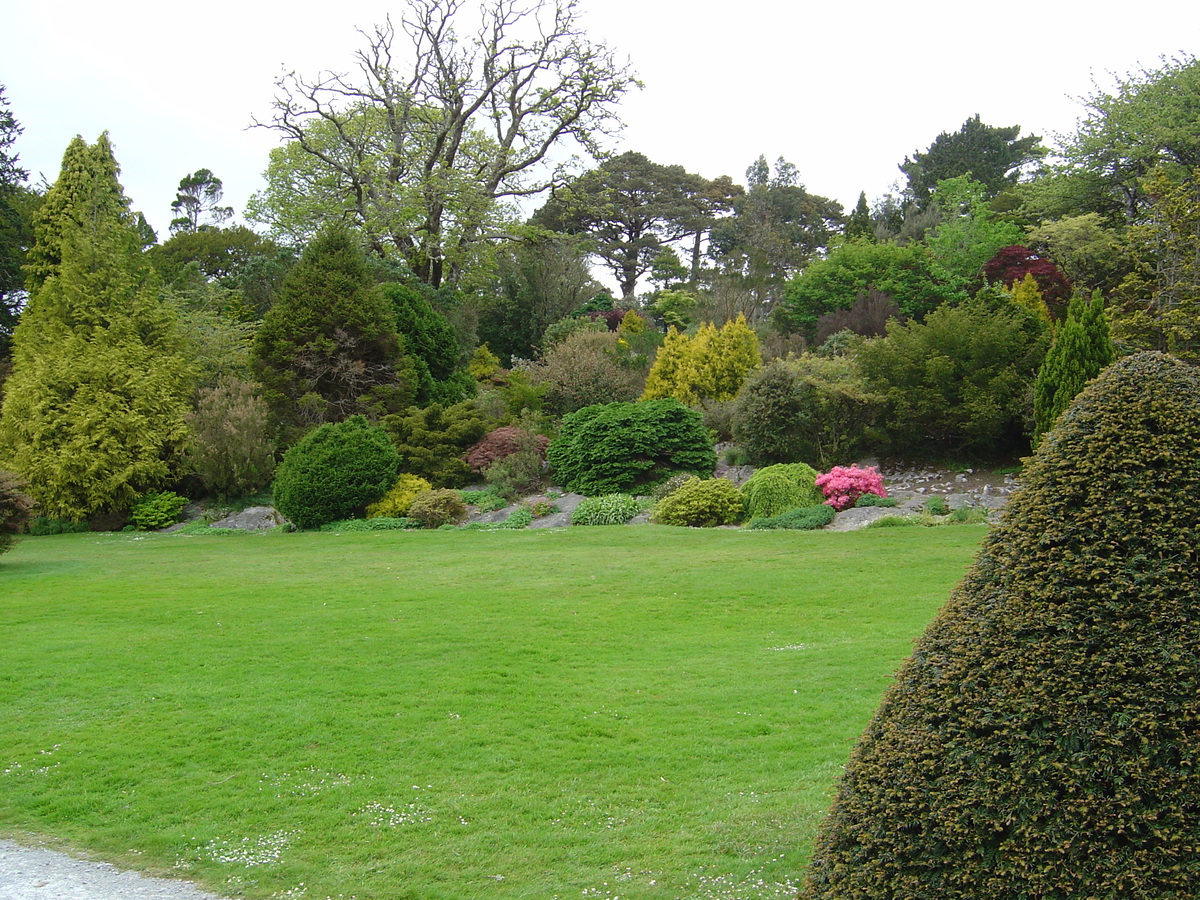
(423, 158)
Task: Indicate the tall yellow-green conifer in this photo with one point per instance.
(93, 413)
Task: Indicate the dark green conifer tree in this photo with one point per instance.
(859, 225)
(1043, 740)
(328, 348)
(93, 413)
(1081, 350)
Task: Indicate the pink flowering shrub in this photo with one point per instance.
(842, 485)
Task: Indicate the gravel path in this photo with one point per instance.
(35, 873)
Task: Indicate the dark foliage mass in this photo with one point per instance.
(1011, 264)
(334, 472)
(616, 447)
(1044, 738)
(15, 509)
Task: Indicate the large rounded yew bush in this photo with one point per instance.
(1043, 741)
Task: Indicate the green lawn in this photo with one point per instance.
(633, 712)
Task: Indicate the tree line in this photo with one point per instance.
(395, 277)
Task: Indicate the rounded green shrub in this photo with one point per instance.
(778, 488)
(158, 509)
(433, 509)
(334, 472)
(806, 518)
(1044, 738)
(701, 503)
(617, 447)
(608, 509)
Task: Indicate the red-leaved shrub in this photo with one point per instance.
(502, 442)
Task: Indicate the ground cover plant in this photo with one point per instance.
(413, 714)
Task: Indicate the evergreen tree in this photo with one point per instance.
(88, 191)
(710, 366)
(1081, 350)
(328, 348)
(667, 377)
(1041, 741)
(860, 225)
(93, 412)
(429, 340)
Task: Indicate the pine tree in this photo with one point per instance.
(328, 347)
(1081, 350)
(93, 412)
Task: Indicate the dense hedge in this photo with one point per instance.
(617, 447)
(1043, 741)
(334, 472)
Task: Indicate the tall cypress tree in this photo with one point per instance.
(328, 349)
(1081, 350)
(93, 413)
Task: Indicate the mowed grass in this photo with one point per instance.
(623, 712)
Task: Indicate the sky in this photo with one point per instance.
(844, 90)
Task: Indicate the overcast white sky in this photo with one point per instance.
(845, 90)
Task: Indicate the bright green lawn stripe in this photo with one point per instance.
(642, 712)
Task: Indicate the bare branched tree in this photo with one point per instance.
(433, 132)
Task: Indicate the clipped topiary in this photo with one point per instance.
(1044, 738)
(616, 447)
(775, 489)
(701, 503)
(334, 472)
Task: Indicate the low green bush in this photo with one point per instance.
(42, 525)
(617, 447)
(968, 515)
(936, 506)
(395, 503)
(807, 518)
(159, 509)
(484, 501)
(542, 507)
(775, 489)
(868, 500)
(701, 503)
(436, 508)
(608, 509)
(335, 472)
(519, 518)
(194, 528)
(378, 523)
(894, 522)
